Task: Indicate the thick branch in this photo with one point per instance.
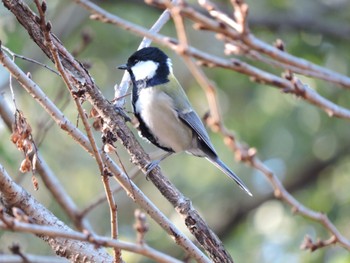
(13, 195)
(194, 222)
(132, 190)
(95, 241)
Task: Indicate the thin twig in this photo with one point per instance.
(308, 244)
(210, 60)
(244, 153)
(13, 54)
(113, 214)
(199, 75)
(49, 178)
(254, 43)
(102, 197)
(15, 196)
(132, 190)
(183, 44)
(16, 250)
(104, 173)
(259, 75)
(93, 239)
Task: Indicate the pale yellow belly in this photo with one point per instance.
(156, 110)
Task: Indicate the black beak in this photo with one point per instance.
(123, 67)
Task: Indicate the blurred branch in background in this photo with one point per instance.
(293, 85)
(73, 67)
(13, 196)
(132, 189)
(77, 248)
(238, 31)
(263, 63)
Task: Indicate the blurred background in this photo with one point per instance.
(308, 150)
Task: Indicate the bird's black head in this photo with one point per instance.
(150, 65)
(145, 54)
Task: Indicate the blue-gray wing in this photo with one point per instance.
(192, 120)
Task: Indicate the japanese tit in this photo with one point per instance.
(164, 112)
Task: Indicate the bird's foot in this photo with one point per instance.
(122, 113)
(153, 164)
(150, 166)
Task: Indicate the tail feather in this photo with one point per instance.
(219, 164)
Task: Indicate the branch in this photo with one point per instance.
(49, 179)
(96, 241)
(248, 156)
(13, 195)
(245, 154)
(102, 197)
(256, 44)
(31, 258)
(298, 208)
(237, 65)
(126, 136)
(308, 244)
(308, 174)
(298, 22)
(46, 28)
(83, 81)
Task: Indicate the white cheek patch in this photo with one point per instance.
(144, 69)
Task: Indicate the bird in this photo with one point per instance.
(165, 115)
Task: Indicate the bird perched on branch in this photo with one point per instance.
(164, 112)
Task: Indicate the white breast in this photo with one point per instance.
(156, 110)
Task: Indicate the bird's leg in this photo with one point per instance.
(122, 113)
(150, 166)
